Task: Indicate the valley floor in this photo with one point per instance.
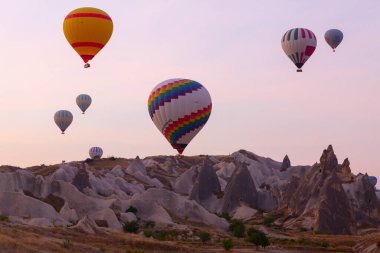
(29, 239)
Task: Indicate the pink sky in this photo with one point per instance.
(233, 48)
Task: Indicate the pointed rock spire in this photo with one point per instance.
(240, 190)
(136, 166)
(334, 212)
(328, 160)
(206, 184)
(285, 163)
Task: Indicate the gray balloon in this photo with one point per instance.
(333, 37)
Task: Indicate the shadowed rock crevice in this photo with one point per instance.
(81, 180)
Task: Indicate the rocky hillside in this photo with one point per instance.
(183, 192)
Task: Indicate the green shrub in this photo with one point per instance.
(149, 223)
(148, 233)
(303, 241)
(225, 216)
(257, 237)
(4, 218)
(67, 244)
(237, 228)
(132, 209)
(205, 237)
(227, 244)
(131, 227)
(268, 221)
(160, 235)
(325, 244)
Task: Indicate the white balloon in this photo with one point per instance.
(299, 44)
(95, 152)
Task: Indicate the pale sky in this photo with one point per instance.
(233, 48)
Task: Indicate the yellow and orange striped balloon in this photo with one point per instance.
(87, 30)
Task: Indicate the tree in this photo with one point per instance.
(227, 244)
(204, 236)
(131, 227)
(237, 228)
(257, 237)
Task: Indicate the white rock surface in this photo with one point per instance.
(128, 217)
(244, 213)
(185, 182)
(176, 205)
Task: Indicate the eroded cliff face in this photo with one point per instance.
(176, 191)
(240, 190)
(329, 198)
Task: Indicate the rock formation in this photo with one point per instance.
(285, 163)
(207, 186)
(178, 192)
(240, 190)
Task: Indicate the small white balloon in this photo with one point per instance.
(95, 152)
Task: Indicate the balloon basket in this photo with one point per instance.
(87, 65)
(299, 70)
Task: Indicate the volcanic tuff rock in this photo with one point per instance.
(333, 211)
(206, 186)
(327, 202)
(364, 201)
(344, 171)
(182, 191)
(81, 180)
(285, 163)
(239, 190)
(185, 182)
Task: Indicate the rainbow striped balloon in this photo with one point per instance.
(95, 152)
(179, 108)
(87, 30)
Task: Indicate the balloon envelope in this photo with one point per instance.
(333, 37)
(179, 108)
(299, 44)
(83, 101)
(87, 30)
(373, 180)
(95, 152)
(63, 119)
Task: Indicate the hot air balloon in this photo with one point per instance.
(333, 37)
(87, 30)
(95, 152)
(373, 180)
(63, 119)
(299, 44)
(83, 101)
(179, 108)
